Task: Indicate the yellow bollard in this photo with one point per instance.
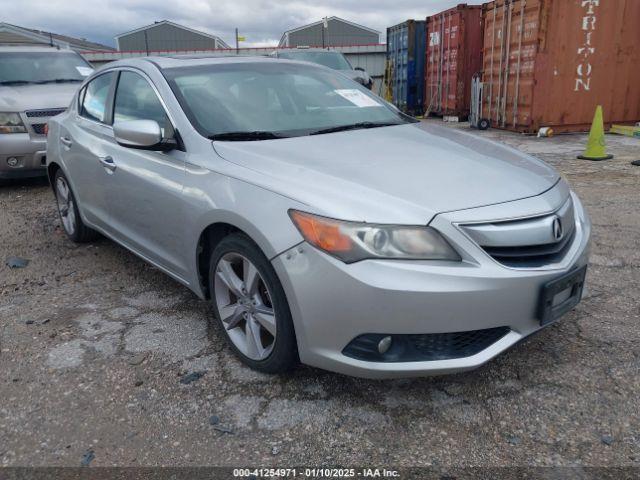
(596, 146)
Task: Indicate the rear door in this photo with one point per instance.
(146, 201)
(82, 147)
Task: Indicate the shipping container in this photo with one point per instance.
(549, 63)
(405, 57)
(454, 56)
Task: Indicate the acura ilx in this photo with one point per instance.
(323, 225)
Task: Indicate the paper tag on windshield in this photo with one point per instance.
(358, 98)
(84, 71)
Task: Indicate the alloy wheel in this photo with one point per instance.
(244, 303)
(65, 205)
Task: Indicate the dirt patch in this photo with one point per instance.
(94, 343)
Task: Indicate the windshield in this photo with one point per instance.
(333, 60)
(279, 98)
(42, 67)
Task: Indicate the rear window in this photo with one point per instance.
(96, 94)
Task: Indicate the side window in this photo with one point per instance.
(136, 100)
(94, 103)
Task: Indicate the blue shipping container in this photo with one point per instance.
(406, 50)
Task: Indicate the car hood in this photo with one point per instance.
(35, 97)
(399, 174)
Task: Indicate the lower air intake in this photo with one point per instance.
(426, 347)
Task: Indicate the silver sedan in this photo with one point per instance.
(325, 226)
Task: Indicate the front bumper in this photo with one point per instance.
(332, 303)
(30, 152)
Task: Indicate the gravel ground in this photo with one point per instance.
(94, 345)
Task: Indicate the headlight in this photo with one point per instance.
(352, 242)
(11, 123)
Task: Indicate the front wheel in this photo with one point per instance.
(251, 306)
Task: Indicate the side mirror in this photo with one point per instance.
(360, 69)
(142, 134)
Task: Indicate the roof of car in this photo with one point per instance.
(305, 50)
(37, 49)
(186, 61)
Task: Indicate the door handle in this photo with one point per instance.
(108, 163)
(66, 141)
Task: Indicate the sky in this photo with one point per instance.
(262, 22)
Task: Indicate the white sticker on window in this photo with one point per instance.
(358, 98)
(84, 71)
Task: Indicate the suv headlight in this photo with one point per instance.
(352, 242)
(11, 123)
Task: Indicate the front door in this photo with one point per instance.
(146, 205)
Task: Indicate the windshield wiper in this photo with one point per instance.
(246, 136)
(16, 82)
(354, 126)
(60, 80)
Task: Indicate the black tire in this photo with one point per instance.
(81, 233)
(484, 124)
(284, 355)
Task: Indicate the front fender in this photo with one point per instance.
(214, 198)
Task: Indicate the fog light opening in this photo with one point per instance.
(384, 345)
(12, 161)
(425, 347)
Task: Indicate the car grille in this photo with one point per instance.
(530, 242)
(44, 113)
(424, 347)
(532, 255)
(38, 128)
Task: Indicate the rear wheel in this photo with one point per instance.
(73, 225)
(251, 306)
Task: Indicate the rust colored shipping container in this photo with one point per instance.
(454, 55)
(549, 63)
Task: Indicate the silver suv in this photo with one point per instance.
(36, 83)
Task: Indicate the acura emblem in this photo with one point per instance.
(557, 229)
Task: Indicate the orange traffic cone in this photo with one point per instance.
(596, 146)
